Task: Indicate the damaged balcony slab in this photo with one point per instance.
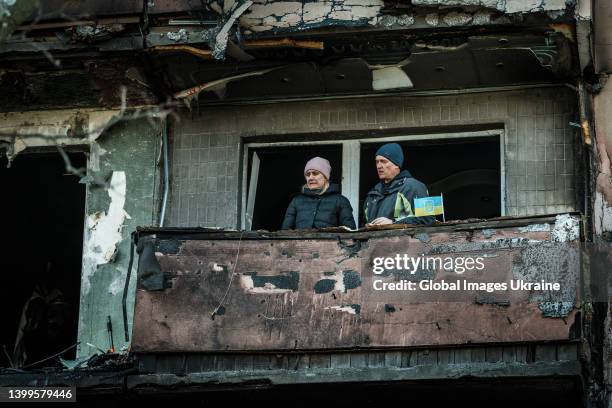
(304, 292)
(354, 375)
(210, 372)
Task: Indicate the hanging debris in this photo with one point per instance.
(220, 41)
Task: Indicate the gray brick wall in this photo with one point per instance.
(539, 146)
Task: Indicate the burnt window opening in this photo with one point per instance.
(44, 210)
(465, 171)
(277, 175)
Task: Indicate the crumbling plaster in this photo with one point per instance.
(38, 129)
(266, 15)
(504, 6)
(602, 209)
(130, 163)
(121, 179)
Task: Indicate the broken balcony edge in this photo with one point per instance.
(333, 233)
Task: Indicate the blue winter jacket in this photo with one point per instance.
(395, 200)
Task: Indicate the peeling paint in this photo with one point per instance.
(95, 152)
(118, 283)
(23, 130)
(104, 230)
(180, 35)
(283, 318)
(432, 19)
(266, 15)
(337, 281)
(602, 214)
(324, 286)
(457, 19)
(450, 247)
(481, 18)
(215, 267)
(504, 6)
(350, 309)
(458, 3)
(351, 280)
(423, 237)
(488, 233)
(551, 262)
(567, 228)
(535, 228)
(351, 250)
(387, 21)
(404, 20)
(530, 6)
(555, 309)
(286, 282)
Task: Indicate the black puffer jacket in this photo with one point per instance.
(311, 210)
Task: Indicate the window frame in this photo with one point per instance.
(351, 158)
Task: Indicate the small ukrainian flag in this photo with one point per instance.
(429, 206)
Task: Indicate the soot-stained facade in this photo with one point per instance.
(178, 133)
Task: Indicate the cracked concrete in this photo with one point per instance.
(269, 15)
(266, 15)
(457, 19)
(504, 6)
(35, 129)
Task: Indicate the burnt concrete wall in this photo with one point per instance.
(539, 144)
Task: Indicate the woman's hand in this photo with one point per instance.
(381, 221)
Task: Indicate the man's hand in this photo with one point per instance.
(381, 221)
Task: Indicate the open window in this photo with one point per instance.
(466, 168)
(276, 175)
(466, 171)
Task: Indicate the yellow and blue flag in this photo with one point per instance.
(428, 206)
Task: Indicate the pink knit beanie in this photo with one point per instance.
(319, 164)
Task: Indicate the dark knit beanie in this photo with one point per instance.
(393, 152)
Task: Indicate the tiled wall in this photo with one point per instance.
(539, 145)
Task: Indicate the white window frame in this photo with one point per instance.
(351, 158)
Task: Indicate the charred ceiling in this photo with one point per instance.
(236, 50)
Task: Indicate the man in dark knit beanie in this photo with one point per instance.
(391, 201)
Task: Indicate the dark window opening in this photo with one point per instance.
(43, 211)
(281, 176)
(465, 170)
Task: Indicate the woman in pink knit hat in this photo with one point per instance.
(320, 204)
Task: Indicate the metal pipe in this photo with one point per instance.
(442, 92)
(162, 215)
